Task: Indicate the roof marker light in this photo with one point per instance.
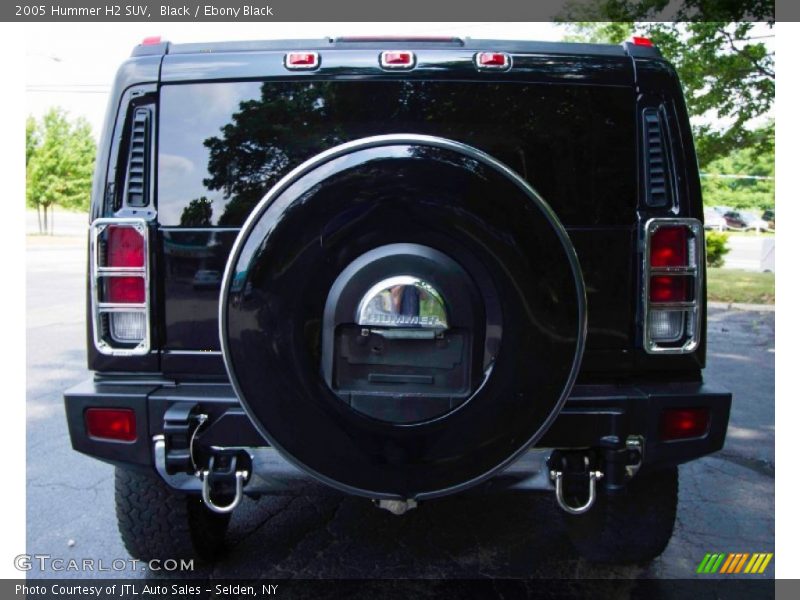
(495, 61)
(642, 41)
(152, 40)
(397, 59)
(301, 60)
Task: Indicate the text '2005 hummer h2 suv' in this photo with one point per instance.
(403, 268)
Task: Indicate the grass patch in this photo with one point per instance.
(736, 285)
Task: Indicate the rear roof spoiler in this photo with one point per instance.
(411, 43)
(156, 47)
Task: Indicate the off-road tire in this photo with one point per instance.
(633, 526)
(158, 522)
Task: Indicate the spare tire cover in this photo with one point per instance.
(366, 194)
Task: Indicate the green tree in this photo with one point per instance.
(669, 10)
(250, 154)
(745, 178)
(726, 70)
(613, 32)
(32, 140)
(197, 213)
(716, 248)
(60, 158)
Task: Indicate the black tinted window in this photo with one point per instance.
(223, 145)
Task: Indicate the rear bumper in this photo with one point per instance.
(594, 416)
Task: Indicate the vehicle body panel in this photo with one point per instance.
(565, 117)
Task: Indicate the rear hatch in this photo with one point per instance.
(567, 124)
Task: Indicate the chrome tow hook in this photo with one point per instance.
(220, 478)
(558, 478)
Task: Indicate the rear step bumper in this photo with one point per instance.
(594, 416)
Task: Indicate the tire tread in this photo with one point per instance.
(634, 526)
(157, 522)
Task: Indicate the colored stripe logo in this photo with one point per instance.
(735, 562)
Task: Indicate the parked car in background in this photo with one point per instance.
(713, 220)
(745, 221)
(769, 216)
(755, 221)
(735, 220)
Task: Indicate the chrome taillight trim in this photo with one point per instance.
(98, 271)
(692, 308)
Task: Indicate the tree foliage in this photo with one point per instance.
(198, 213)
(32, 140)
(728, 73)
(716, 248)
(60, 157)
(728, 78)
(744, 178)
(548, 133)
(669, 10)
(612, 32)
(253, 151)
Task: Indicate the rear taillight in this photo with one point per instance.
(125, 290)
(124, 248)
(120, 286)
(669, 289)
(673, 271)
(111, 424)
(669, 246)
(684, 423)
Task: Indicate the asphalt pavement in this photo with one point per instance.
(726, 500)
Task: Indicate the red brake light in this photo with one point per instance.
(119, 275)
(669, 289)
(126, 290)
(684, 423)
(151, 40)
(669, 247)
(642, 41)
(397, 59)
(125, 247)
(673, 280)
(492, 60)
(302, 60)
(111, 423)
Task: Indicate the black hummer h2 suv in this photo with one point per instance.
(404, 268)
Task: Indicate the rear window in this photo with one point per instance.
(223, 145)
